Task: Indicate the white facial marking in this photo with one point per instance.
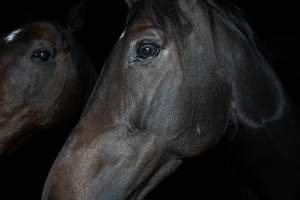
(122, 34)
(11, 36)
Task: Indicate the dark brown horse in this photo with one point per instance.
(45, 80)
(184, 75)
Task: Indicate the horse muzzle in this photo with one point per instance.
(115, 165)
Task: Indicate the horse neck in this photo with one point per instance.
(271, 153)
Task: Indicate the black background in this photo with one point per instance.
(209, 176)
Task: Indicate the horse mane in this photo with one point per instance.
(238, 18)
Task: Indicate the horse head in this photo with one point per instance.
(46, 77)
(180, 75)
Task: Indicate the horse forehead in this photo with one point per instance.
(45, 31)
(35, 31)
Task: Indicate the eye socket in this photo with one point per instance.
(41, 55)
(147, 50)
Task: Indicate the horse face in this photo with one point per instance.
(161, 97)
(39, 82)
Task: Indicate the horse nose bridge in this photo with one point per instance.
(50, 194)
(103, 159)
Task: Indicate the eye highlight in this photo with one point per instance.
(147, 50)
(41, 55)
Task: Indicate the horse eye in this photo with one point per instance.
(148, 50)
(41, 55)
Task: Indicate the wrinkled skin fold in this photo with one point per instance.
(182, 72)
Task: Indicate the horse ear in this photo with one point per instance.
(75, 17)
(257, 95)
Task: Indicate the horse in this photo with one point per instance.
(184, 76)
(46, 78)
